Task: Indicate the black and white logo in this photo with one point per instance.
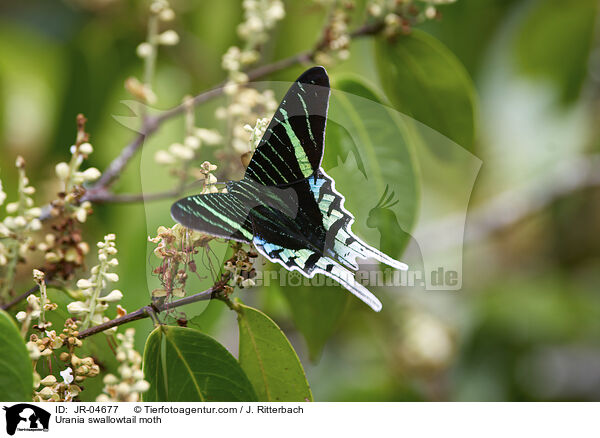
(26, 417)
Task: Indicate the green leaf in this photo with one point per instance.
(269, 359)
(423, 79)
(554, 43)
(16, 371)
(183, 364)
(317, 312)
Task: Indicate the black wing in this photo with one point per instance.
(218, 214)
(292, 148)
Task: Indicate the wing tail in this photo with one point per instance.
(349, 247)
(346, 278)
(346, 246)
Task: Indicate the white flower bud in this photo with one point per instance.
(110, 379)
(86, 148)
(192, 142)
(430, 12)
(126, 372)
(62, 170)
(144, 50)
(20, 221)
(33, 301)
(163, 157)
(35, 225)
(230, 88)
(81, 214)
(38, 275)
(168, 38)
(167, 14)
(84, 284)
(91, 174)
(12, 207)
(157, 6)
(113, 262)
(181, 151)
(29, 190)
(275, 12)
(77, 308)
(34, 212)
(111, 276)
(140, 386)
(112, 297)
(123, 388)
(208, 136)
(21, 316)
(46, 393)
(48, 380)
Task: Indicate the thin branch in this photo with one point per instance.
(20, 298)
(124, 198)
(512, 206)
(147, 311)
(131, 198)
(151, 123)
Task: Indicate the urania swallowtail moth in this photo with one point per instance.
(286, 205)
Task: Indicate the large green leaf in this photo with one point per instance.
(183, 364)
(554, 42)
(269, 359)
(317, 312)
(16, 371)
(423, 79)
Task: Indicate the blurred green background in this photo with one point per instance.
(526, 324)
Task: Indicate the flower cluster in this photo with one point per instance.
(179, 155)
(245, 105)
(76, 371)
(160, 11)
(130, 383)
(335, 44)
(44, 343)
(260, 16)
(37, 306)
(72, 178)
(64, 249)
(399, 16)
(16, 229)
(176, 248)
(92, 304)
(241, 267)
(256, 134)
